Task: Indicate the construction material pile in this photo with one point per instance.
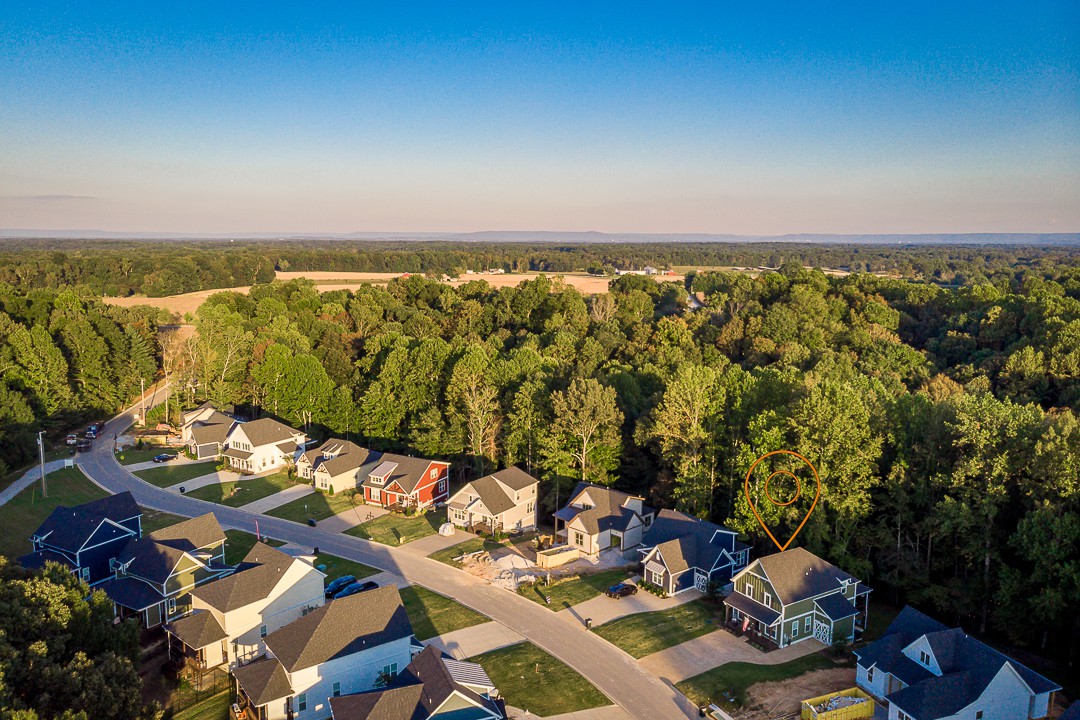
(838, 702)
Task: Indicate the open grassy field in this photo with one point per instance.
(732, 680)
(22, 515)
(155, 520)
(433, 614)
(316, 505)
(574, 590)
(168, 475)
(50, 455)
(131, 456)
(645, 633)
(235, 494)
(397, 529)
(238, 543)
(533, 680)
(335, 567)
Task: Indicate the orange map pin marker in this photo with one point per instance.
(798, 492)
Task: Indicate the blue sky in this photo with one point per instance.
(768, 118)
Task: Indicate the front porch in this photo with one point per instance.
(752, 632)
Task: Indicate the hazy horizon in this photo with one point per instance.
(256, 118)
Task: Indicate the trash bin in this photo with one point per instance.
(703, 711)
(311, 522)
(181, 489)
(588, 623)
(315, 551)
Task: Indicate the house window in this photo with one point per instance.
(376, 495)
(795, 629)
(579, 539)
(901, 715)
(530, 507)
(390, 669)
(301, 702)
(978, 715)
(84, 573)
(924, 658)
(870, 675)
(749, 591)
(657, 577)
(806, 625)
(766, 600)
(434, 473)
(170, 606)
(262, 631)
(442, 486)
(337, 689)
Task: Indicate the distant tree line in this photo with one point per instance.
(156, 269)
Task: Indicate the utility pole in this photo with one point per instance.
(41, 448)
(142, 401)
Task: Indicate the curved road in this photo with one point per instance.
(613, 671)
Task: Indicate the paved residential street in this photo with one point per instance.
(614, 672)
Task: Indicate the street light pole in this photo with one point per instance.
(41, 448)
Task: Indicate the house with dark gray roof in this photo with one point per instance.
(504, 501)
(349, 645)
(262, 445)
(681, 553)
(153, 576)
(86, 538)
(205, 429)
(432, 686)
(794, 595)
(597, 518)
(230, 616)
(920, 669)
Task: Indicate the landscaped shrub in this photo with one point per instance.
(654, 589)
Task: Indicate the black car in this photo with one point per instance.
(164, 457)
(356, 587)
(621, 590)
(339, 584)
(83, 445)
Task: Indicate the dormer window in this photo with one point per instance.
(379, 475)
(924, 658)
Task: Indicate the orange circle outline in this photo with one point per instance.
(753, 509)
(798, 488)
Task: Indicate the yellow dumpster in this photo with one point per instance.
(843, 705)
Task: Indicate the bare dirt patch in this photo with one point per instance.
(782, 699)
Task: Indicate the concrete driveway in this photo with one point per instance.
(603, 609)
(612, 671)
(278, 499)
(351, 518)
(433, 543)
(470, 641)
(719, 647)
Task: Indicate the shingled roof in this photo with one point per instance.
(338, 457)
(255, 578)
(341, 627)
(608, 512)
(68, 528)
(408, 473)
(267, 431)
(263, 681)
(154, 556)
(197, 629)
(213, 429)
(686, 542)
(190, 535)
(490, 488)
(797, 574)
(396, 703)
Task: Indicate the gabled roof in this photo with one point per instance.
(754, 609)
(263, 680)
(836, 607)
(213, 429)
(37, 560)
(395, 703)
(267, 431)
(197, 629)
(154, 556)
(491, 491)
(967, 666)
(341, 627)
(408, 473)
(254, 579)
(190, 535)
(608, 512)
(131, 593)
(797, 574)
(68, 528)
(687, 542)
(515, 478)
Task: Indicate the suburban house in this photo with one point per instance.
(432, 686)
(682, 552)
(387, 479)
(347, 646)
(262, 445)
(154, 575)
(204, 431)
(922, 670)
(794, 595)
(504, 501)
(87, 537)
(230, 616)
(597, 518)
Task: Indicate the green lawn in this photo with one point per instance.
(59, 453)
(216, 707)
(645, 633)
(727, 685)
(574, 590)
(532, 680)
(22, 515)
(155, 520)
(235, 494)
(433, 614)
(316, 505)
(881, 615)
(336, 567)
(397, 529)
(167, 475)
(130, 456)
(238, 543)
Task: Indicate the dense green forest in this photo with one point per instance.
(943, 421)
(157, 269)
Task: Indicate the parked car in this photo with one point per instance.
(356, 587)
(83, 445)
(164, 457)
(95, 428)
(621, 590)
(339, 584)
(72, 439)
(90, 434)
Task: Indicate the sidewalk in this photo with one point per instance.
(603, 609)
(272, 501)
(719, 647)
(29, 478)
(215, 478)
(433, 543)
(474, 640)
(351, 518)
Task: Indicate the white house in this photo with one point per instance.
(205, 429)
(504, 501)
(230, 617)
(262, 445)
(922, 670)
(598, 518)
(347, 646)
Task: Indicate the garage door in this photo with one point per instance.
(823, 632)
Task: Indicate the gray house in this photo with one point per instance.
(597, 518)
(682, 552)
(204, 431)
